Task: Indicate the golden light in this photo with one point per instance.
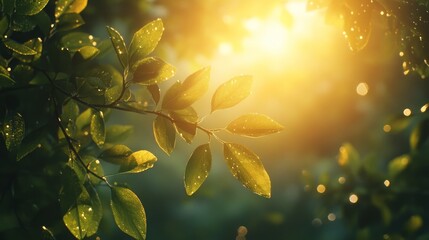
(424, 108)
(387, 128)
(362, 89)
(332, 217)
(353, 198)
(407, 112)
(321, 188)
(386, 183)
(341, 180)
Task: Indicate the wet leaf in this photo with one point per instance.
(13, 131)
(78, 217)
(75, 40)
(118, 133)
(70, 111)
(85, 53)
(149, 71)
(98, 129)
(18, 48)
(165, 134)
(398, 164)
(6, 81)
(84, 119)
(117, 154)
(119, 46)
(247, 168)
(198, 168)
(138, 162)
(35, 44)
(71, 188)
(128, 212)
(231, 92)
(22, 23)
(23, 73)
(145, 40)
(29, 7)
(155, 92)
(357, 26)
(69, 21)
(254, 125)
(97, 210)
(31, 142)
(95, 166)
(185, 121)
(69, 6)
(183, 95)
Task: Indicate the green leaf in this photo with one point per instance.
(22, 23)
(198, 168)
(349, 157)
(118, 133)
(95, 166)
(119, 46)
(6, 81)
(34, 44)
(98, 129)
(398, 164)
(70, 111)
(71, 188)
(69, 6)
(128, 212)
(31, 142)
(23, 73)
(78, 218)
(69, 21)
(145, 40)
(18, 48)
(149, 71)
(117, 154)
(247, 168)
(231, 92)
(165, 134)
(254, 125)
(85, 53)
(84, 119)
(155, 92)
(75, 40)
(419, 135)
(138, 162)
(185, 121)
(97, 210)
(29, 7)
(183, 95)
(13, 131)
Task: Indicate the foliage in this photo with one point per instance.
(57, 95)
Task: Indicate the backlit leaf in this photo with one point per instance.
(70, 111)
(118, 133)
(35, 44)
(145, 40)
(18, 48)
(165, 134)
(97, 210)
(84, 119)
(75, 40)
(138, 162)
(247, 168)
(85, 53)
(198, 168)
(231, 92)
(78, 217)
(69, 6)
(13, 131)
(185, 121)
(398, 164)
(29, 7)
(98, 129)
(69, 21)
(95, 166)
(254, 125)
(183, 95)
(128, 212)
(22, 23)
(119, 46)
(149, 71)
(117, 154)
(155, 92)
(419, 135)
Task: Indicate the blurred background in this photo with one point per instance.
(305, 77)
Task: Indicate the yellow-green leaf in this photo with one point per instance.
(18, 48)
(97, 210)
(29, 7)
(155, 92)
(247, 168)
(254, 125)
(183, 95)
(13, 131)
(145, 40)
(231, 92)
(128, 212)
(119, 46)
(69, 21)
(165, 134)
(85, 53)
(77, 220)
(419, 135)
(198, 168)
(117, 154)
(69, 6)
(398, 164)
(149, 71)
(97, 129)
(349, 157)
(138, 162)
(6, 81)
(185, 121)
